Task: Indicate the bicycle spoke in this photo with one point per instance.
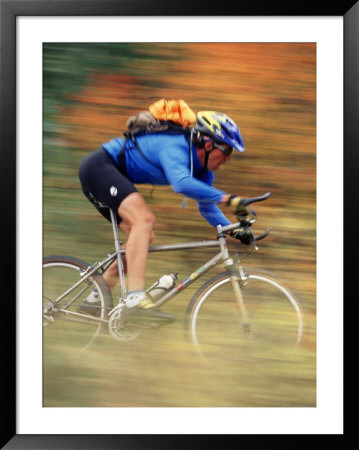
(68, 326)
(217, 327)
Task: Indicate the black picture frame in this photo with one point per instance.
(10, 9)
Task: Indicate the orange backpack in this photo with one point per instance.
(174, 115)
(176, 111)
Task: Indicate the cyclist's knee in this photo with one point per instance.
(134, 212)
(146, 222)
(148, 219)
(143, 220)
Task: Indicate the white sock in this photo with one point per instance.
(134, 298)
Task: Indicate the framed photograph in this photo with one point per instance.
(71, 77)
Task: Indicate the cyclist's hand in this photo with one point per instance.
(240, 209)
(243, 234)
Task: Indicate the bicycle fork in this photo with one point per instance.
(236, 276)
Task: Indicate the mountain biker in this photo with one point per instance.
(108, 176)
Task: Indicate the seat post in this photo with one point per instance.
(121, 272)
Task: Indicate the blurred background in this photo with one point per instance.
(269, 90)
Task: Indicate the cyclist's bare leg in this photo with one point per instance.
(137, 222)
(111, 274)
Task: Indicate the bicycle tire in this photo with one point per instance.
(214, 325)
(65, 330)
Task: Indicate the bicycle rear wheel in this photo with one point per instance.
(215, 325)
(64, 326)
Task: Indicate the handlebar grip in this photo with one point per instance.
(247, 201)
(262, 236)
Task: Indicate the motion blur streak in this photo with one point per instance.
(269, 90)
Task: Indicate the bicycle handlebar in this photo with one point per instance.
(262, 236)
(247, 201)
(234, 226)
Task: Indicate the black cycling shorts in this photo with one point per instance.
(103, 183)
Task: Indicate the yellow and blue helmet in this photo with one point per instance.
(220, 128)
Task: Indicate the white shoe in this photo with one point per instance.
(93, 297)
(133, 300)
(91, 305)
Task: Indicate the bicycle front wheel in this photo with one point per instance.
(65, 325)
(216, 325)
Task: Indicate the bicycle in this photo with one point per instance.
(231, 306)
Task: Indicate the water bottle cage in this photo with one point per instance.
(156, 290)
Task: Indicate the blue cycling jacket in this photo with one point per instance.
(167, 162)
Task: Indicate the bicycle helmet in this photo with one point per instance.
(220, 128)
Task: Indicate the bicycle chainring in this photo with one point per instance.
(119, 329)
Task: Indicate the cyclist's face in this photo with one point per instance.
(217, 158)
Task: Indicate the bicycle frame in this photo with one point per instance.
(221, 257)
(234, 273)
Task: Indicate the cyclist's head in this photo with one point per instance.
(219, 128)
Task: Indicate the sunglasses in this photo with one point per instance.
(225, 150)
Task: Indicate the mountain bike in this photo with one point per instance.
(228, 310)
